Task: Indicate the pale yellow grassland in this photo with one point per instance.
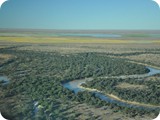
(70, 40)
(5, 56)
(130, 86)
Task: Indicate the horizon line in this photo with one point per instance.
(49, 29)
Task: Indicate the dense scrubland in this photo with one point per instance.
(130, 89)
(37, 76)
(37, 65)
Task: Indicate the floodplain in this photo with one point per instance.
(38, 63)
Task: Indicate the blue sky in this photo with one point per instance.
(80, 14)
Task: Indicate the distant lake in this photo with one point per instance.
(63, 35)
(82, 33)
(92, 35)
(155, 35)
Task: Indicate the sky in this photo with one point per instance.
(80, 14)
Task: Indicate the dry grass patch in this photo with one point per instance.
(31, 39)
(147, 58)
(131, 86)
(4, 58)
(90, 47)
(153, 78)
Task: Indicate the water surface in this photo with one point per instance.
(75, 86)
(4, 79)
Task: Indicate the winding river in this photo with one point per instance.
(75, 86)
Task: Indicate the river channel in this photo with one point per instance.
(75, 86)
(4, 80)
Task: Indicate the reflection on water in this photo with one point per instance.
(4, 80)
(153, 71)
(35, 107)
(75, 86)
(92, 35)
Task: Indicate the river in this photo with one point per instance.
(75, 86)
(4, 80)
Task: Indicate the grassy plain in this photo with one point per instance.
(49, 40)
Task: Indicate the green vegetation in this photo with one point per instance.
(140, 90)
(38, 76)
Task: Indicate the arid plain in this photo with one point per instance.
(47, 61)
